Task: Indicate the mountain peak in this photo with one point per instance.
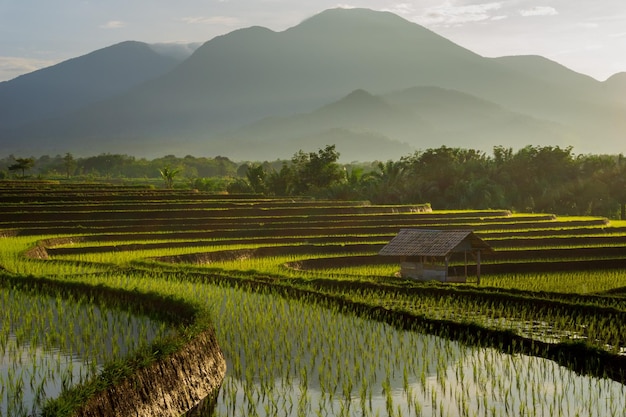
(359, 94)
(359, 105)
(618, 78)
(354, 13)
(254, 73)
(355, 21)
(358, 98)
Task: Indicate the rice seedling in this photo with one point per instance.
(579, 282)
(291, 356)
(49, 344)
(358, 367)
(309, 359)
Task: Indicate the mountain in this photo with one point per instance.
(368, 127)
(615, 86)
(360, 125)
(73, 84)
(178, 51)
(304, 75)
(550, 72)
(460, 119)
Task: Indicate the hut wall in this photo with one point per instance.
(423, 272)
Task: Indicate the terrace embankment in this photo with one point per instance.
(265, 251)
(169, 387)
(174, 376)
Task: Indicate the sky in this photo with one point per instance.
(588, 36)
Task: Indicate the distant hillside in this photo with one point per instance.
(368, 127)
(551, 72)
(78, 82)
(294, 81)
(463, 120)
(615, 86)
(178, 51)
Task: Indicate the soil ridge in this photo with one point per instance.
(169, 387)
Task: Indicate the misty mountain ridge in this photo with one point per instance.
(178, 51)
(353, 75)
(396, 124)
(615, 86)
(78, 82)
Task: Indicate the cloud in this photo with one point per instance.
(448, 14)
(212, 20)
(113, 24)
(401, 9)
(11, 67)
(539, 11)
(589, 25)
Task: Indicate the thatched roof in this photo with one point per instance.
(427, 242)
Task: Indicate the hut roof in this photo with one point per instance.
(428, 242)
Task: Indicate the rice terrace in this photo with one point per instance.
(131, 300)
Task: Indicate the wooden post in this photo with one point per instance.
(478, 268)
(465, 265)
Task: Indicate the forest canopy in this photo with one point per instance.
(531, 179)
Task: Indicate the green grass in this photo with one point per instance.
(512, 310)
(577, 282)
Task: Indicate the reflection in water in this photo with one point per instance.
(49, 344)
(292, 359)
(30, 375)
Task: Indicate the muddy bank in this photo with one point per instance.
(169, 387)
(37, 252)
(171, 378)
(266, 251)
(343, 262)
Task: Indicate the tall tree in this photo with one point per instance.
(279, 182)
(22, 164)
(69, 163)
(619, 186)
(256, 178)
(315, 170)
(614, 177)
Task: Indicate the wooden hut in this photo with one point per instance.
(427, 254)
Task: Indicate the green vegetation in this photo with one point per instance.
(542, 179)
(22, 164)
(50, 342)
(295, 287)
(168, 175)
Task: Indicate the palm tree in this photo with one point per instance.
(168, 175)
(389, 182)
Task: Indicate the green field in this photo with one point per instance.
(311, 319)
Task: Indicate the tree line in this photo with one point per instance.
(532, 179)
(116, 166)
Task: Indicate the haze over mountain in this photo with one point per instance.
(73, 84)
(397, 124)
(352, 75)
(615, 86)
